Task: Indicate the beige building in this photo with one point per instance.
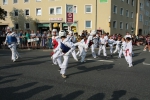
(143, 17)
(113, 16)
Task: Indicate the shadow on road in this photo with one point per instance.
(138, 61)
(71, 96)
(98, 68)
(99, 96)
(118, 94)
(10, 93)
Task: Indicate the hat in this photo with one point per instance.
(62, 33)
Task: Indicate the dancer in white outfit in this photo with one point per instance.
(122, 50)
(12, 40)
(102, 46)
(90, 42)
(71, 38)
(111, 44)
(118, 46)
(128, 51)
(57, 60)
(82, 49)
(66, 48)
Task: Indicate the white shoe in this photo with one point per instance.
(14, 60)
(130, 65)
(95, 57)
(63, 76)
(76, 59)
(17, 57)
(144, 50)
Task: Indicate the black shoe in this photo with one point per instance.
(111, 55)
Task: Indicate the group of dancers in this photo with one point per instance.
(64, 46)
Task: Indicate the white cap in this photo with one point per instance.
(70, 32)
(93, 32)
(62, 33)
(54, 30)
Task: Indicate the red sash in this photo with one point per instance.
(55, 43)
(127, 52)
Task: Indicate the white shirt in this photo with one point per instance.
(106, 37)
(129, 46)
(33, 35)
(102, 41)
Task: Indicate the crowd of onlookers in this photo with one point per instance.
(45, 38)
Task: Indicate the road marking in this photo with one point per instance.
(102, 60)
(106, 60)
(145, 63)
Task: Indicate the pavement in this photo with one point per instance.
(33, 77)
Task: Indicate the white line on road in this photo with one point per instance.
(145, 63)
(106, 60)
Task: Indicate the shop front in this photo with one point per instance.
(43, 27)
(73, 27)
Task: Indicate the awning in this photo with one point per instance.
(43, 25)
(74, 24)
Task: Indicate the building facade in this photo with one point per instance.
(112, 16)
(143, 17)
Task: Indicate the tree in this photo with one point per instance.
(2, 14)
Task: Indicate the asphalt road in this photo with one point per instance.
(33, 77)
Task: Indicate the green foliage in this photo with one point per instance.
(2, 14)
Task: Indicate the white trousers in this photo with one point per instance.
(57, 59)
(124, 54)
(93, 46)
(111, 48)
(13, 51)
(129, 60)
(102, 47)
(74, 55)
(64, 65)
(117, 49)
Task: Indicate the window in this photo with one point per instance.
(147, 3)
(127, 26)
(132, 15)
(88, 24)
(121, 25)
(16, 26)
(26, 1)
(52, 11)
(27, 13)
(58, 10)
(127, 13)
(115, 9)
(141, 17)
(141, 6)
(75, 9)
(16, 12)
(132, 2)
(5, 2)
(128, 1)
(38, 0)
(114, 24)
(38, 11)
(88, 8)
(27, 25)
(121, 11)
(15, 1)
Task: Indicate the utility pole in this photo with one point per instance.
(96, 17)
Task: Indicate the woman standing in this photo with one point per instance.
(28, 37)
(33, 36)
(49, 38)
(24, 40)
(44, 38)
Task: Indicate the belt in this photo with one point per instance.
(127, 51)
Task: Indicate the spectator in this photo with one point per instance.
(38, 35)
(20, 37)
(33, 36)
(24, 40)
(28, 37)
(49, 38)
(44, 38)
